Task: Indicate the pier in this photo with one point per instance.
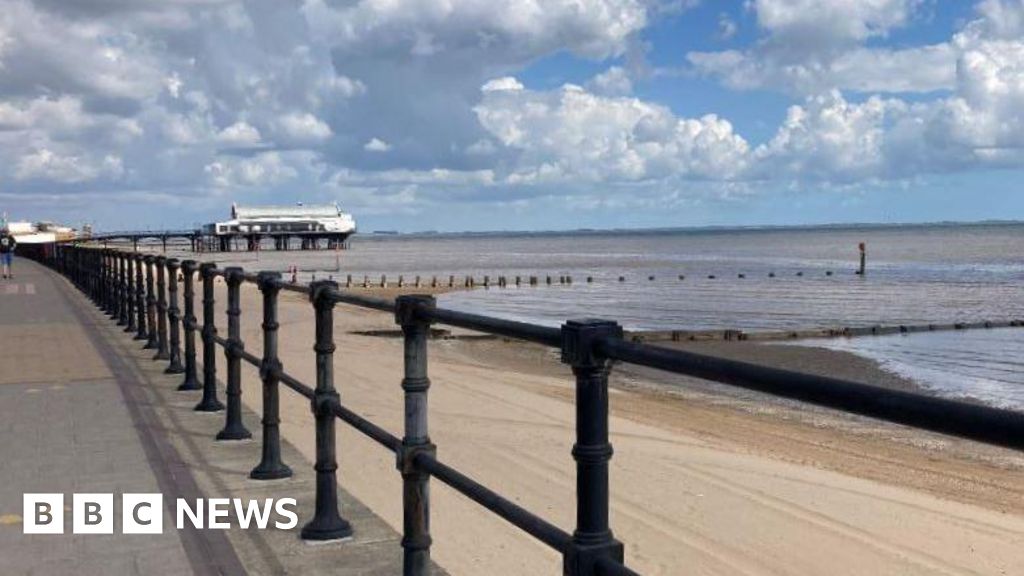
(169, 306)
(200, 241)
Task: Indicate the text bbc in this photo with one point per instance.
(144, 513)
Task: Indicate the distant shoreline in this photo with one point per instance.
(854, 226)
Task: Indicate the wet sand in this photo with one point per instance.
(706, 478)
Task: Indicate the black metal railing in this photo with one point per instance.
(588, 346)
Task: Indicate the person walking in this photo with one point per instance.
(7, 244)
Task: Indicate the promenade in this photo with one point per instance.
(84, 410)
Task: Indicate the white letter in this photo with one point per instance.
(282, 511)
(42, 513)
(218, 509)
(92, 514)
(142, 513)
(253, 510)
(196, 518)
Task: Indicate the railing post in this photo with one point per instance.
(101, 283)
(270, 467)
(129, 292)
(123, 288)
(140, 299)
(104, 272)
(209, 403)
(161, 309)
(327, 523)
(111, 279)
(91, 274)
(122, 304)
(234, 429)
(188, 322)
(151, 342)
(173, 318)
(592, 538)
(415, 483)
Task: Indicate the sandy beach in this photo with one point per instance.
(705, 480)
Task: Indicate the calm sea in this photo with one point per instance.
(916, 274)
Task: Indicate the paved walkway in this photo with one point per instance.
(66, 428)
(83, 409)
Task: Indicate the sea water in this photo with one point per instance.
(691, 279)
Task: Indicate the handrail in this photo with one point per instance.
(511, 328)
(518, 516)
(590, 347)
(974, 421)
(606, 567)
(371, 430)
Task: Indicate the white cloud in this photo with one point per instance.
(342, 86)
(239, 134)
(726, 27)
(811, 47)
(258, 171)
(828, 138)
(570, 133)
(812, 23)
(482, 147)
(303, 127)
(193, 96)
(506, 84)
(614, 81)
(45, 164)
(504, 28)
(919, 69)
(376, 145)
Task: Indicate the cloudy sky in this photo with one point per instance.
(513, 114)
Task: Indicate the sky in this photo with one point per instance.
(513, 114)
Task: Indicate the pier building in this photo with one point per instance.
(315, 226)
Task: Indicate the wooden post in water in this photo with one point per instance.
(863, 258)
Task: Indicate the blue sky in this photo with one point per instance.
(513, 114)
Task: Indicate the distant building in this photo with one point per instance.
(39, 232)
(299, 220)
(311, 223)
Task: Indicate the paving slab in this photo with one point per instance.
(84, 409)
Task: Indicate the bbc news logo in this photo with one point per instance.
(144, 513)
